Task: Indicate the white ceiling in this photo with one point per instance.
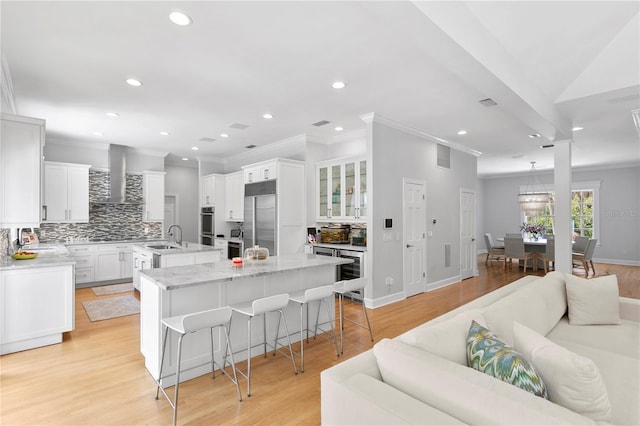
(549, 66)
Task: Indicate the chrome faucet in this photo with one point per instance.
(176, 239)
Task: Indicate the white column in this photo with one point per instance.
(562, 185)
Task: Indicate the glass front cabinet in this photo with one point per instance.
(342, 190)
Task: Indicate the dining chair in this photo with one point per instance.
(494, 251)
(586, 258)
(580, 244)
(549, 255)
(514, 249)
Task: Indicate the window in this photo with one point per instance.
(584, 212)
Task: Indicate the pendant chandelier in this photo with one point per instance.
(533, 203)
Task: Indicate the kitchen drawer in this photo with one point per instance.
(84, 275)
(84, 261)
(80, 250)
(115, 248)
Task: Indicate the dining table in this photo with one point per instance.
(537, 245)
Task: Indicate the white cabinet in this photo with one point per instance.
(37, 305)
(208, 191)
(113, 262)
(66, 192)
(260, 172)
(84, 255)
(342, 190)
(142, 259)
(234, 197)
(223, 245)
(153, 195)
(21, 149)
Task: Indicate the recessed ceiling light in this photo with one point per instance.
(98, 133)
(535, 135)
(224, 135)
(339, 85)
(195, 148)
(134, 82)
(577, 128)
(185, 159)
(180, 18)
(113, 114)
(267, 116)
(164, 133)
(462, 132)
(339, 129)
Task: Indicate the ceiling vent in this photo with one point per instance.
(239, 126)
(488, 102)
(250, 146)
(547, 146)
(207, 140)
(321, 123)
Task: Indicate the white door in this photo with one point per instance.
(414, 246)
(468, 258)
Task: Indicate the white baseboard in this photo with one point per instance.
(618, 262)
(386, 300)
(443, 283)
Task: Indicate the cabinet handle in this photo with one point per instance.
(46, 212)
(135, 263)
(266, 174)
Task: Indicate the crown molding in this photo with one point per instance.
(377, 118)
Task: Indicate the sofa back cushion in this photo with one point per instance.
(594, 301)
(448, 338)
(464, 393)
(539, 306)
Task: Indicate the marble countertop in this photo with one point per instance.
(207, 273)
(186, 247)
(48, 255)
(92, 242)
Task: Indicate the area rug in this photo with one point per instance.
(112, 289)
(112, 307)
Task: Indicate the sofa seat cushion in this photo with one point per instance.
(464, 393)
(615, 350)
(572, 380)
(490, 355)
(538, 306)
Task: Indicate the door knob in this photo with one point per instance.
(409, 246)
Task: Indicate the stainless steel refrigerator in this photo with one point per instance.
(260, 209)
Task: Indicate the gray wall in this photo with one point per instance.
(619, 210)
(394, 155)
(183, 182)
(97, 155)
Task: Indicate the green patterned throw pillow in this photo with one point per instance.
(490, 355)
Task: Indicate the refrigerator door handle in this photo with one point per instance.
(253, 220)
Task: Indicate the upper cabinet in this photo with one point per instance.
(66, 192)
(342, 190)
(234, 197)
(208, 191)
(153, 194)
(260, 172)
(21, 149)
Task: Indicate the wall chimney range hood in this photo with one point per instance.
(118, 176)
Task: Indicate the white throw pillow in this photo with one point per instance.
(592, 302)
(448, 338)
(572, 381)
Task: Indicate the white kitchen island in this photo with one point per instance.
(179, 290)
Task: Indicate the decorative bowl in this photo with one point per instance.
(23, 255)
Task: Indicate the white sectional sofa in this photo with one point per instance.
(592, 371)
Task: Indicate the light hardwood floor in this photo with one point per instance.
(97, 375)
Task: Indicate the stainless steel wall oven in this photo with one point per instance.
(207, 225)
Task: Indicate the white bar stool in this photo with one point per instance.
(304, 298)
(256, 307)
(189, 323)
(348, 286)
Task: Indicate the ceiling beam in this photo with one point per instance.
(454, 36)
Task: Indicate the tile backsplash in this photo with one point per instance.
(109, 222)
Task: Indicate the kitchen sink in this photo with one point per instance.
(162, 247)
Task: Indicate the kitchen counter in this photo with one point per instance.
(186, 247)
(179, 290)
(207, 273)
(48, 255)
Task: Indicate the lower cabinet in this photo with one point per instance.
(113, 262)
(37, 305)
(84, 255)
